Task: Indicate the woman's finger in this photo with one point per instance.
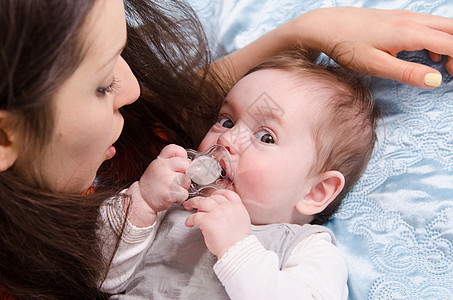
(449, 65)
(407, 72)
(427, 38)
(435, 57)
(435, 22)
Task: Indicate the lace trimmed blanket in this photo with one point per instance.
(395, 228)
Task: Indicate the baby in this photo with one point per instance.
(300, 134)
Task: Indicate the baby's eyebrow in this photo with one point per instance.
(261, 114)
(264, 114)
(229, 104)
(266, 117)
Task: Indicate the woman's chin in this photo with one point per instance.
(110, 153)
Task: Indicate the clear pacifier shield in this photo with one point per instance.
(210, 170)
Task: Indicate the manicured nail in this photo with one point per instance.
(433, 79)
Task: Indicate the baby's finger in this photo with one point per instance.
(191, 203)
(179, 196)
(189, 221)
(222, 195)
(178, 191)
(194, 219)
(173, 150)
(202, 204)
(178, 164)
(183, 181)
(180, 180)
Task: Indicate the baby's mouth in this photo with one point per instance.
(226, 172)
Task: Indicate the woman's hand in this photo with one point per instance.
(363, 39)
(368, 40)
(222, 218)
(163, 183)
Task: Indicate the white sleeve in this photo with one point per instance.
(314, 270)
(131, 248)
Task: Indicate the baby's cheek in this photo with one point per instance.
(207, 141)
(255, 183)
(258, 194)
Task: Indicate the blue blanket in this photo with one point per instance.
(395, 228)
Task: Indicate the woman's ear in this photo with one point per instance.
(324, 190)
(8, 153)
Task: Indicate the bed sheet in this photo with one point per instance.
(395, 228)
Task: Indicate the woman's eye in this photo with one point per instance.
(226, 122)
(265, 137)
(104, 90)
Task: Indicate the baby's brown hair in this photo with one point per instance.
(344, 134)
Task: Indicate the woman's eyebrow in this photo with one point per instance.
(120, 50)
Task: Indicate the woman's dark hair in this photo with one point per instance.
(49, 248)
(177, 105)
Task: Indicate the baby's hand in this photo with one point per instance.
(222, 218)
(164, 181)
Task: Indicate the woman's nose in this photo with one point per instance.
(129, 89)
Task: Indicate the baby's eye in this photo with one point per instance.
(226, 122)
(265, 137)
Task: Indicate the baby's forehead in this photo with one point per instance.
(279, 95)
(297, 80)
(273, 81)
(274, 88)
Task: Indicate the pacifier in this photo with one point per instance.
(210, 170)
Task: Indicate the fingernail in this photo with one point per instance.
(433, 79)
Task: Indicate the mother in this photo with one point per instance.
(64, 86)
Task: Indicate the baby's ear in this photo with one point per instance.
(324, 190)
(8, 153)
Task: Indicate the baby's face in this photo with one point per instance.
(266, 122)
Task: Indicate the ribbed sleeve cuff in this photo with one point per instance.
(236, 256)
(117, 218)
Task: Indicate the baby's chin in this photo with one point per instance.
(256, 213)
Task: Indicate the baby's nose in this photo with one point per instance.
(225, 141)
